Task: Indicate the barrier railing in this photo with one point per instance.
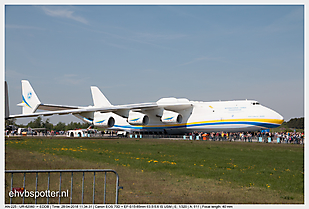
(36, 193)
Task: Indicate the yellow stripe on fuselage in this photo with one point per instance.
(270, 121)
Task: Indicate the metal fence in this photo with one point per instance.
(235, 138)
(202, 138)
(231, 138)
(69, 172)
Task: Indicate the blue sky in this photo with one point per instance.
(143, 53)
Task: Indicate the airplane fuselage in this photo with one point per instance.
(229, 116)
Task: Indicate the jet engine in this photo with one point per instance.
(104, 120)
(137, 118)
(170, 117)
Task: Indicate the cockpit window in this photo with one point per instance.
(256, 103)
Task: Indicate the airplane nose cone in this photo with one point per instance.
(277, 116)
(280, 117)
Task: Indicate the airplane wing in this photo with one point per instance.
(115, 109)
(81, 110)
(31, 103)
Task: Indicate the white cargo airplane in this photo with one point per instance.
(169, 115)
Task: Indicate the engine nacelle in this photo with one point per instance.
(170, 117)
(104, 120)
(137, 118)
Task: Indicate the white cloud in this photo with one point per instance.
(287, 22)
(13, 73)
(113, 45)
(197, 60)
(71, 79)
(63, 13)
(151, 36)
(23, 27)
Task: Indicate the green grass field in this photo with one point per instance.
(176, 171)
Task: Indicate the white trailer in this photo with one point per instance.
(23, 130)
(122, 133)
(77, 133)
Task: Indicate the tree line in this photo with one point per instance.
(39, 123)
(296, 123)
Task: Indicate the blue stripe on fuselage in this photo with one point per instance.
(266, 125)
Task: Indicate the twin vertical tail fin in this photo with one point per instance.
(99, 100)
(30, 101)
(105, 120)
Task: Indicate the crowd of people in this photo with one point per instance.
(279, 137)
